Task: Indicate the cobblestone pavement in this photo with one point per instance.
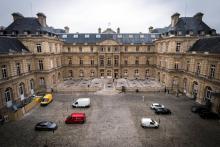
(114, 120)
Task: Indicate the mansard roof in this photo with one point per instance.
(186, 25)
(27, 24)
(123, 38)
(11, 45)
(211, 45)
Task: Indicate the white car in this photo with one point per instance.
(149, 123)
(81, 102)
(156, 105)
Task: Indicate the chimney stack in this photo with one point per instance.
(42, 19)
(17, 15)
(118, 30)
(67, 29)
(99, 30)
(198, 16)
(174, 19)
(150, 29)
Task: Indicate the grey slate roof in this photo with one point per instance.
(211, 45)
(186, 24)
(8, 45)
(30, 24)
(120, 38)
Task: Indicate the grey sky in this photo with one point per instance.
(129, 15)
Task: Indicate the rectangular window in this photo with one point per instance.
(101, 62)
(198, 68)
(126, 62)
(119, 36)
(212, 71)
(91, 49)
(41, 66)
(136, 61)
(126, 49)
(92, 62)
(176, 66)
(80, 61)
(39, 49)
(137, 49)
(80, 49)
(29, 67)
(187, 66)
(4, 71)
(18, 68)
(109, 61)
(70, 61)
(178, 45)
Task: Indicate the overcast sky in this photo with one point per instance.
(130, 15)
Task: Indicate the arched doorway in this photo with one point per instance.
(195, 88)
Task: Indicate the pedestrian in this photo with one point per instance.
(165, 90)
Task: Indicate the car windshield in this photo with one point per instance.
(153, 122)
(68, 117)
(45, 100)
(158, 105)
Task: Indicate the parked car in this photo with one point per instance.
(208, 115)
(76, 118)
(149, 123)
(199, 108)
(48, 98)
(46, 126)
(162, 111)
(156, 105)
(81, 102)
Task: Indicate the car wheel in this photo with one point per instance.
(156, 127)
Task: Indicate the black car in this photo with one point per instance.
(208, 115)
(46, 126)
(199, 108)
(162, 111)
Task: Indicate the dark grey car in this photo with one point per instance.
(46, 126)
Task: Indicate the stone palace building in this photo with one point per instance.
(184, 57)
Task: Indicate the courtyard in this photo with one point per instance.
(97, 84)
(114, 120)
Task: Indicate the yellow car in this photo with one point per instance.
(46, 99)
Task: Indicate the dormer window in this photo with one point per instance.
(202, 32)
(179, 32)
(64, 36)
(25, 33)
(87, 36)
(37, 33)
(75, 36)
(98, 36)
(119, 36)
(141, 36)
(130, 36)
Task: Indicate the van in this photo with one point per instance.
(149, 123)
(46, 99)
(81, 102)
(76, 118)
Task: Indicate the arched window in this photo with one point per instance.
(8, 94)
(195, 88)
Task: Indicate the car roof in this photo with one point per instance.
(44, 122)
(156, 104)
(146, 119)
(80, 114)
(83, 99)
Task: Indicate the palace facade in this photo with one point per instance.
(185, 57)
